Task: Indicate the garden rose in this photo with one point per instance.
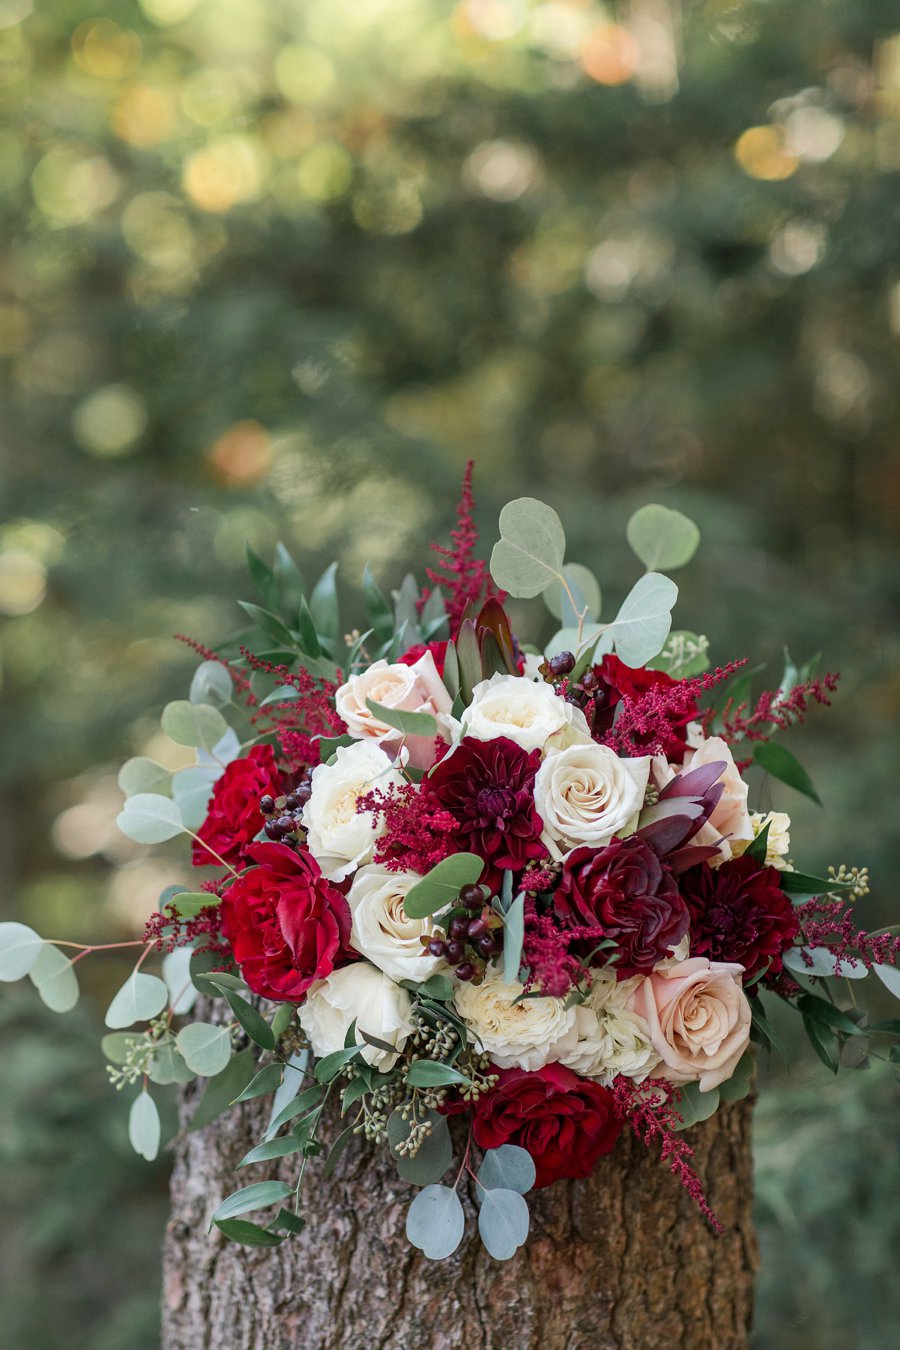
(341, 838)
(585, 794)
(525, 711)
(233, 818)
(522, 1035)
(286, 924)
(778, 840)
(699, 1019)
(612, 1038)
(730, 818)
(365, 995)
(381, 931)
(626, 892)
(740, 913)
(400, 687)
(565, 1122)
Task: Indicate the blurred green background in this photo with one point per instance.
(276, 269)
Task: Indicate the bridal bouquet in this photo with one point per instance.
(495, 903)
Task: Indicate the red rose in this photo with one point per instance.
(618, 681)
(625, 891)
(286, 924)
(564, 1121)
(740, 913)
(233, 818)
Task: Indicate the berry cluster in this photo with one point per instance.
(586, 693)
(283, 814)
(473, 936)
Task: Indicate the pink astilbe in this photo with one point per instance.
(773, 710)
(417, 836)
(464, 579)
(239, 677)
(645, 723)
(650, 1109)
(830, 923)
(168, 930)
(297, 721)
(547, 952)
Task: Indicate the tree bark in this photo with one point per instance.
(622, 1261)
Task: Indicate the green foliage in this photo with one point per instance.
(785, 766)
(140, 998)
(508, 1167)
(503, 1222)
(663, 539)
(435, 1222)
(529, 554)
(442, 885)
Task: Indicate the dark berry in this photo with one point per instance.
(437, 947)
(271, 830)
(267, 805)
(486, 945)
(472, 897)
(292, 801)
(465, 971)
(285, 824)
(477, 928)
(600, 698)
(562, 664)
(459, 928)
(456, 951)
(303, 791)
(589, 681)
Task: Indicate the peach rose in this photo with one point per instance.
(699, 1019)
(415, 688)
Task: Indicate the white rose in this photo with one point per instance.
(524, 1035)
(778, 840)
(612, 1038)
(341, 838)
(415, 688)
(586, 794)
(381, 931)
(357, 992)
(527, 712)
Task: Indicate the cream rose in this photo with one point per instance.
(381, 931)
(525, 711)
(612, 1038)
(341, 838)
(358, 992)
(698, 1017)
(778, 840)
(524, 1035)
(415, 688)
(586, 794)
(730, 819)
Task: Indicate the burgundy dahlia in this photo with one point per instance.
(488, 787)
(739, 913)
(626, 891)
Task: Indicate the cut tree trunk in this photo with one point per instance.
(622, 1261)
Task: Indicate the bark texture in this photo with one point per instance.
(621, 1261)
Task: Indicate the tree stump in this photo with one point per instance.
(622, 1261)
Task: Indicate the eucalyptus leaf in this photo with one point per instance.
(889, 977)
(176, 971)
(212, 684)
(188, 904)
(735, 1088)
(503, 1222)
(191, 790)
(508, 1167)
(167, 1066)
(695, 1105)
(435, 1153)
(513, 937)
(116, 1045)
(585, 589)
(410, 723)
(282, 1147)
(53, 976)
(149, 818)
(442, 885)
(195, 724)
(531, 549)
(144, 1126)
(144, 775)
(642, 625)
(140, 998)
(255, 1025)
(822, 961)
(221, 1091)
(205, 1048)
(20, 947)
(436, 1222)
(662, 538)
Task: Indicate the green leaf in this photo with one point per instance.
(783, 765)
(20, 947)
(820, 1010)
(513, 937)
(330, 1065)
(262, 576)
(140, 998)
(309, 1098)
(144, 1127)
(337, 1148)
(663, 539)
(288, 579)
(53, 976)
(267, 1080)
(436, 986)
(221, 1091)
(802, 886)
(760, 845)
(435, 1153)
(531, 549)
(822, 961)
(212, 684)
(255, 1025)
(144, 775)
(442, 885)
(436, 1222)
(695, 1105)
(247, 1234)
(206, 1049)
(194, 724)
(282, 1147)
(824, 1042)
(258, 1196)
(503, 1222)
(381, 616)
(167, 1066)
(410, 723)
(323, 604)
(189, 903)
(585, 589)
(306, 629)
(270, 624)
(149, 818)
(116, 1044)
(288, 1222)
(642, 625)
(284, 1016)
(429, 1073)
(889, 977)
(508, 1167)
(735, 1088)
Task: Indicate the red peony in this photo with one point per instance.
(488, 787)
(739, 913)
(564, 1121)
(627, 892)
(618, 681)
(438, 651)
(286, 924)
(233, 818)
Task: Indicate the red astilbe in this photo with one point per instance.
(464, 579)
(830, 923)
(650, 1108)
(547, 951)
(773, 710)
(240, 679)
(167, 929)
(297, 721)
(418, 834)
(644, 723)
